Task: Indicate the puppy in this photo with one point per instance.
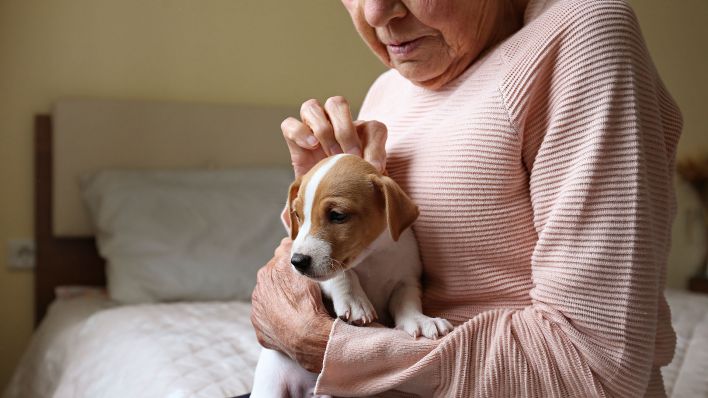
(350, 230)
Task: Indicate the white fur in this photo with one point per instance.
(278, 376)
(382, 283)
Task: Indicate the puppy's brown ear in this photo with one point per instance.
(290, 210)
(401, 212)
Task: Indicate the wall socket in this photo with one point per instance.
(20, 254)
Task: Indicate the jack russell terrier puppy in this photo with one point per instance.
(350, 230)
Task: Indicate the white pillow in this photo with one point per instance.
(186, 235)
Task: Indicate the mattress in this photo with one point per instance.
(687, 375)
(89, 347)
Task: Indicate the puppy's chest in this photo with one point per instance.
(378, 285)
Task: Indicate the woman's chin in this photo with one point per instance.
(421, 73)
(413, 70)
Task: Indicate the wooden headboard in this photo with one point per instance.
(60, 260)
(84, 135)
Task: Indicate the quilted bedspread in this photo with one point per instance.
(687, 375)
(88, 347)
(157, 350)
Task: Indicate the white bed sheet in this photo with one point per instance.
(687, 375)
(44, 360)
(89, 347)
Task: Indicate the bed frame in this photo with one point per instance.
(59, 260)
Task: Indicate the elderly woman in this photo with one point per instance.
(538, 142)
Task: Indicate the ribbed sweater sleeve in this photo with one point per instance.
(598, 133)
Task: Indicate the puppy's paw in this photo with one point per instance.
(356, 310)
(421, 325)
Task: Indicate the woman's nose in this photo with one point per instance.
(379, 13)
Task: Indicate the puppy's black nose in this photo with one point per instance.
(301, 262)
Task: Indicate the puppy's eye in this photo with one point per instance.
(337, 217)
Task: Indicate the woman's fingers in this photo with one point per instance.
(329, 130)
(373, 136)
(345, 133)
(314, 116)
(283, 250)
(297, 132)
(284, 307)
(304, 148)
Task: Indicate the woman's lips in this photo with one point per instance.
(404, 48)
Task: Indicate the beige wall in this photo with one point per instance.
(677, 36)
(255, 51)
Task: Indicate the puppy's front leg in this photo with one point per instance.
(349, 299)
(279, 376)
(407, 312)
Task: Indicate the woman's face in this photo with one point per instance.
(429, 42)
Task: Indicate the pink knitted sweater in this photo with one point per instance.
(544, 180)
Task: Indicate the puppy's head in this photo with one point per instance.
(338, 209)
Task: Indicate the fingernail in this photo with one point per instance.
(335, 150)
(354, 151)
(312, 141)
(377, 165)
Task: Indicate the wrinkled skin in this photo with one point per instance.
(329, 130)
(288, 313)
(449, 35)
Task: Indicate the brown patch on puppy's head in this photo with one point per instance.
(401, 212)
(347, 211)
(352, 205)
(292, 203)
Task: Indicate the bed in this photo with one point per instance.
(92, 343)
(86, 343)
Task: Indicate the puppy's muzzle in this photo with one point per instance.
(301, 262)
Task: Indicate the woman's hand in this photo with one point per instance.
(288, 313)
(329, 130)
